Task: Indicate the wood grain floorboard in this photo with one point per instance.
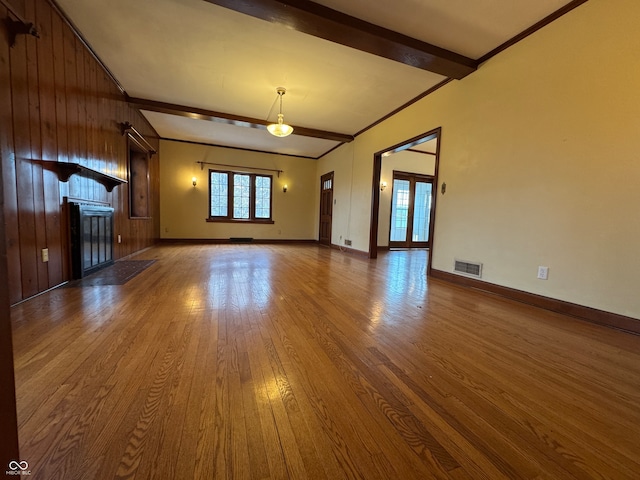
(299, 362)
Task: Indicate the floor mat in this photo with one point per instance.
(117, 274)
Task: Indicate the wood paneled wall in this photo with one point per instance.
(57, 103)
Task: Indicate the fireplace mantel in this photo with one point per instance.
(66, 169)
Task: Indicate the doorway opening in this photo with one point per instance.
(326, 209)
(425, 149)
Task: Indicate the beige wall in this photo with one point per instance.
(403, 161)
(346, 193)
(540, 150)
(183, 208)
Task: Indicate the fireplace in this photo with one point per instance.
(91, 238)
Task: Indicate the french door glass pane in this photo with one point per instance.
(421, 208)
(399, 210)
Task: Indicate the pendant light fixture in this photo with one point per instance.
(280, 129)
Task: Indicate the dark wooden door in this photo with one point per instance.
(326, 208)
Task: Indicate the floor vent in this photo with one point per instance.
(240, 240)
(468, 268)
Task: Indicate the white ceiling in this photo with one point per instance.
(470, 28)
(199, 55)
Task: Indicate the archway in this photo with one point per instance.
(375, 187)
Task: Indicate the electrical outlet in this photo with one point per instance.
(45, 255)
(347, 242)
(543, 273)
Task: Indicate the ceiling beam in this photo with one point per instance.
(320, 21)
(229, 119)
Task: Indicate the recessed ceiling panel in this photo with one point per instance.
(214, 133)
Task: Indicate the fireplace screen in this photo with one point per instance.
(91, 238)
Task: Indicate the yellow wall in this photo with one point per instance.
(540, 150)
(183, 208)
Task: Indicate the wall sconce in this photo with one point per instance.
(383, 185)
(284, 188)
(194, 180)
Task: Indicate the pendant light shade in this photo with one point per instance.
(280, 129)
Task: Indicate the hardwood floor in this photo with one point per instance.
(294, 362)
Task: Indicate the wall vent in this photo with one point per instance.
(471, 269)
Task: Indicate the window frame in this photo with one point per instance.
(228, 218)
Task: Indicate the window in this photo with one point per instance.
(239, 197)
